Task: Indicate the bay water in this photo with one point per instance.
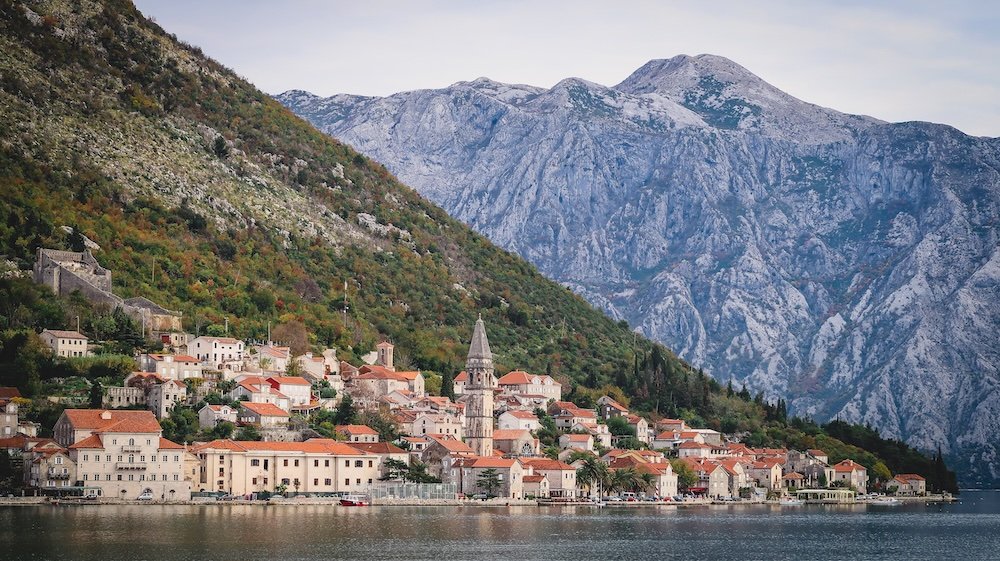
(968, 530)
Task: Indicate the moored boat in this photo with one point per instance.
(791, 502)
(355, 500)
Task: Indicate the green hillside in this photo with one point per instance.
(208, 197)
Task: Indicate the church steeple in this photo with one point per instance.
(479, 388)
(479, 350)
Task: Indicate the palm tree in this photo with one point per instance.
(647, 481)
(625, 479)
(593, 473)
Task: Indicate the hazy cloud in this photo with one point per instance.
(897, 61)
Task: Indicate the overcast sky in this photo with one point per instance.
(898, 61)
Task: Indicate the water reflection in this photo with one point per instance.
(970, 530)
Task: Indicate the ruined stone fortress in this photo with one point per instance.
(66, 271)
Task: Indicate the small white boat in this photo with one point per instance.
(885, 501)
(791, 502)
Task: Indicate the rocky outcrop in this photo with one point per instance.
(847, 264)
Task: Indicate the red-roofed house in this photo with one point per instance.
(296, 388)
(608, 408)
(510, 471)
(264, 415)
(514, 419)
(851, 474)
(909, 484)
(318, 465)
(520, 382)
(75, 425)
(576, 441)
(535, 486)
(123, 454)
(459, 383)
(515, 442)
(561, 476)
(357, 433)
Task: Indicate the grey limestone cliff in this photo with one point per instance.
(847, 264)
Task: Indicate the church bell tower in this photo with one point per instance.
(479, 388)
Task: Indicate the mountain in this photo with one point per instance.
(844, 263)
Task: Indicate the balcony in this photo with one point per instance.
(57, 474)
(131, 449)
(134, 466)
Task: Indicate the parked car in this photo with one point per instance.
(146, 496)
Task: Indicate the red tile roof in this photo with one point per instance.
(264, 409)
(514, 378)
(289, 380)
(313, 445)
(107, 420)
(492, 462)
(511, 434)
(847, 466)
(377, 447)
(355, 429)
(7, 392)
(546, 464)
(518, 414)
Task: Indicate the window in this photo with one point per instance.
(369, 481)
(254, 481)
(119, 457)
(131, 442)
(107, 477)
(315, 463)
(142, 458)
(327, 482)
(285, 463)
(284, 481)
(221, 471)
(359, 481)
(175, 477)
(255, 463)
(131, 459)
(359, 463)
(296, 463)
(222, 458)
(326, 463)
(370, 464)
(316, 481)
(347, 463)
(131, 477)
(119, 477)
(177, 458)
(59, 460)
(108, 458)
(347, 482)
(85, 477)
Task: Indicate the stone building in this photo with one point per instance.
(479, 389)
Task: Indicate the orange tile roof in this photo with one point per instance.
(118, 420)
(7, 392)
(847, 466)
(814, 452)
(492, 462)
(533, 478)
(355, 429)
(264, 409)
(91, 442)
(289, 380)
(514, 377)
(511, 434)
(909, 476)
(377, 447)
(546, 464)
(312, 446)
(451, 444)
(577, 437)
(169, 445)
(613, 404)
(463, 376)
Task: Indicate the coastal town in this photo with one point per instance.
(502, 438)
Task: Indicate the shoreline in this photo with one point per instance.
(493, 503)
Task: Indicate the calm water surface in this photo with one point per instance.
(969, 530)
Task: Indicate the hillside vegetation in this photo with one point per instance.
(208, 197)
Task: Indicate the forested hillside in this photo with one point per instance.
(206, 196)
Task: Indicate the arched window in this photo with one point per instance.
(131, 442)
(131, 458)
